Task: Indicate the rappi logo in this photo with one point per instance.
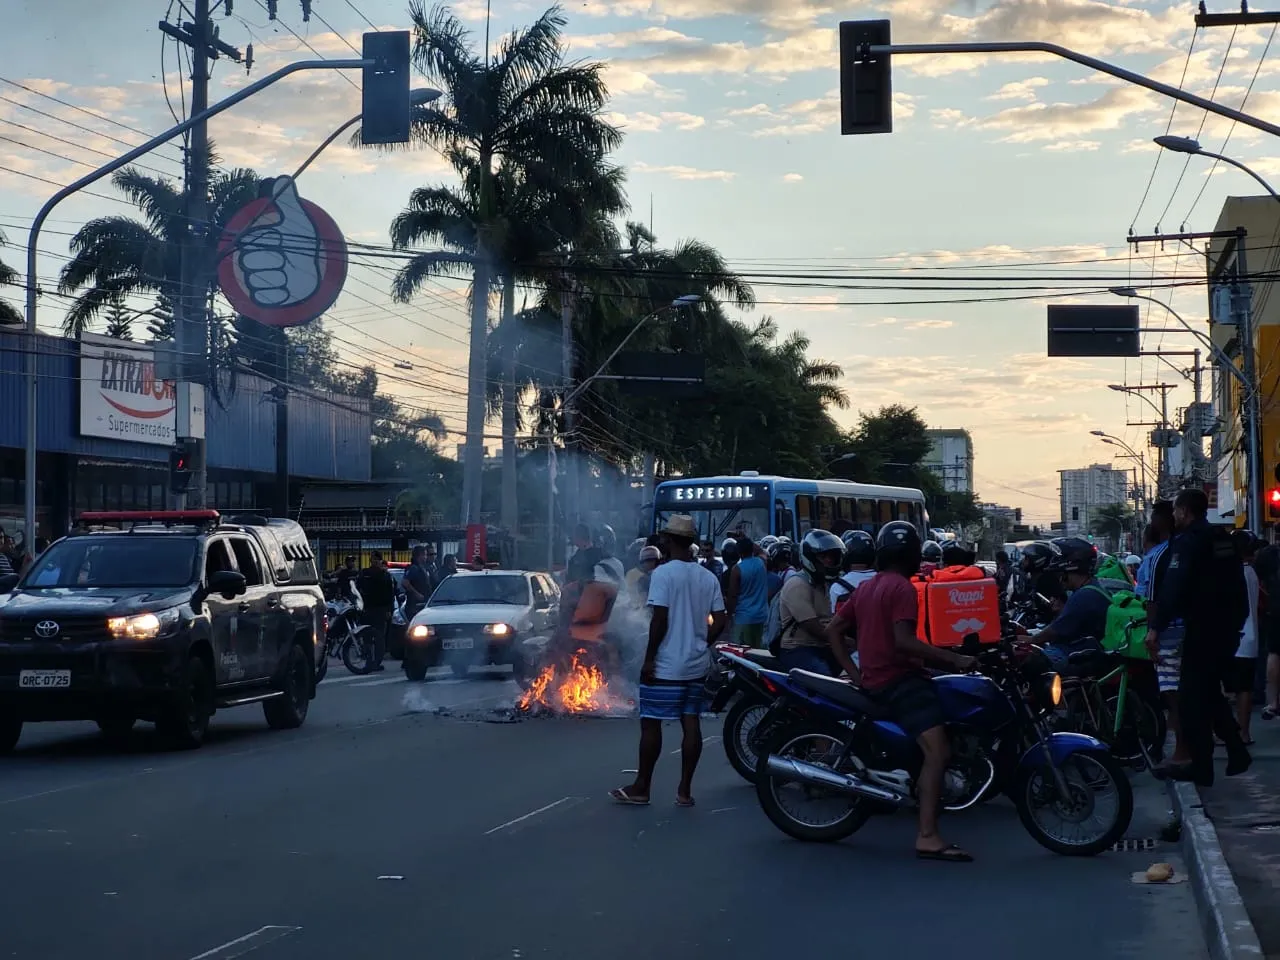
(130, 385)
(964, 598)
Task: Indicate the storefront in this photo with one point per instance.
(105, 427)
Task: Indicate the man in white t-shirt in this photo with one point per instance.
(687, 617)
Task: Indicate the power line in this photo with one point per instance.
(1167, 127)
(360, 14)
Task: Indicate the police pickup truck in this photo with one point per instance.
(164, 617)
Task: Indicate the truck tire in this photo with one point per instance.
(288, 712)
(184, 723)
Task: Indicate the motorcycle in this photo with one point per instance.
(999, 721)
(346, 637)
(749, 679)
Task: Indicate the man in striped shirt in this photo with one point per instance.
(1151, 572)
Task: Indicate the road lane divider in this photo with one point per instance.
(533, 813)
(247, 944)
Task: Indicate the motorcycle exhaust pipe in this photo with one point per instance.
(789, 769)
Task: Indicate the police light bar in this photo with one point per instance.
(145, 516)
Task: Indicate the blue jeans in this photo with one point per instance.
(813, 659)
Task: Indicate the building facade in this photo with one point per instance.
(950, 458)
(1083, 491)
(105, 426)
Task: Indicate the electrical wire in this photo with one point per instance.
(360, 14)
(1167, 127)
(303, 41)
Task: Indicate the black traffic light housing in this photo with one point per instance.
(179, 468)
(384, 88)
(866, 84)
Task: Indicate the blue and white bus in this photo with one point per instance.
(783, 506)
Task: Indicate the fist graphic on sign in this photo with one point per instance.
(283, 259)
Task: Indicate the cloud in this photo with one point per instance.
(677, 172)
(643, 122)
(1067, 121)
(1072, 146)
(949, 118)
(792, 177)
(928, 324)
(1020, 89)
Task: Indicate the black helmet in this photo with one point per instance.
(859, 547)
(1075, 555)
(898, 545)
(930, 552)
(816, 555)
(958, 554)
(1039, 554)
(779, 551)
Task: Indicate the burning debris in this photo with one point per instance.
(580, 688)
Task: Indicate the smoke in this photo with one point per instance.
(415, 702)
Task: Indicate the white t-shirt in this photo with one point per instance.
(1249, 634)
(690, 592)
(855, 577)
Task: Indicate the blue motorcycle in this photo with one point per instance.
(845, 759)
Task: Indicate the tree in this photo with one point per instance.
(119, 321)
(526, 110)
(1111, 520)
(8, 312)
(116, 257)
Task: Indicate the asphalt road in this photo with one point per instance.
(380, 832)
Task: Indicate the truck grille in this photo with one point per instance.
(71, 629)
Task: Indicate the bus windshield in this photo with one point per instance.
(720, 522)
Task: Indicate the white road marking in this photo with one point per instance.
(532, 813)
(380, 683)
(343, 678)
(249, 942)
(711, 739)
(391, 876)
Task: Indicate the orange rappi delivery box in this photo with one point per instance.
(960, 601)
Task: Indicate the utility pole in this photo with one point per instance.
(191, 326)
(1251, 423)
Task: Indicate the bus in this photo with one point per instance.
(783, 506)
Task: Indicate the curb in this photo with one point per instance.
(1228, 931)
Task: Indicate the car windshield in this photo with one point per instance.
(481, 589)
(127, 560)
(716, 524)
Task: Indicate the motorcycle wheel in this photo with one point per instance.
(355, 656)
(1035, 792)
(740, 725)
(788, 740)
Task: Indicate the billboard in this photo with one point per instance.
(1077, 330)
(120, 397)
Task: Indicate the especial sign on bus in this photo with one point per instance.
(703, 494)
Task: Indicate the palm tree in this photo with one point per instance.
(115, 257)
(526, 111)
(8, 312)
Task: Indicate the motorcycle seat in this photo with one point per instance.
(762, 657)
(1088, 660)
(839, 691)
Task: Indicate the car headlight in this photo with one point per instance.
(420, 631)
(143, 626)
(498, 629)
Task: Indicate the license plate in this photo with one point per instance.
(44, 679)
(458, 643)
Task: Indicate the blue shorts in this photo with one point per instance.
(814, 659)
(672, 699)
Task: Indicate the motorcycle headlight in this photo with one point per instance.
(143, 626)
(1053, 688)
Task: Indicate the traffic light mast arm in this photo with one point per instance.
(908, 49)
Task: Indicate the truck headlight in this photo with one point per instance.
(143, 626)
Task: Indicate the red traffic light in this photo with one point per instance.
(1275, 496)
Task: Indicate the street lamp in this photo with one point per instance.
(1129, 453)
(417, 98)
(1192, 146)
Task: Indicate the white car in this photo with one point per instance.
(479, 617)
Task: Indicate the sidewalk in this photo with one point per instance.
(1245, 813)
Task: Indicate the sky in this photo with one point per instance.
(997, 167)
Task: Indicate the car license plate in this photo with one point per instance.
(458, 643)
(44, 679)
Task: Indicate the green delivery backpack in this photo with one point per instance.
(1126, 624)
(1110, 568)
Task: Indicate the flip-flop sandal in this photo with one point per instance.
(952, 854)
(620, 795)
(685, 801)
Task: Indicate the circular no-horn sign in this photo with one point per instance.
(282, 260)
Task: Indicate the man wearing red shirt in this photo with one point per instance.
(881, 618)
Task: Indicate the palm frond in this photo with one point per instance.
(424, 266)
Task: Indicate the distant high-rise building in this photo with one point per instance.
(1084, 490)
(950, 458)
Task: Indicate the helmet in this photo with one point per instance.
(729, 543)
(767, 541)
(650, 553)
(1075, 555)
(605, 539)
(956, 553)
(859, 547)
(1133, 560)
(930, 551)
(729, 551)
(779, 551)
(898, 545)
(821, 554)
(1039, 554)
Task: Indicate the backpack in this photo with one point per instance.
(1126, 629)
(774, 628)
(1222, 585)
(844, 597)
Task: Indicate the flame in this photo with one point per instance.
(584, 688)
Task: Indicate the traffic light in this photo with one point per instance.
(384, 88)
(1273, 503)
(179, 468)
(866, 85)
